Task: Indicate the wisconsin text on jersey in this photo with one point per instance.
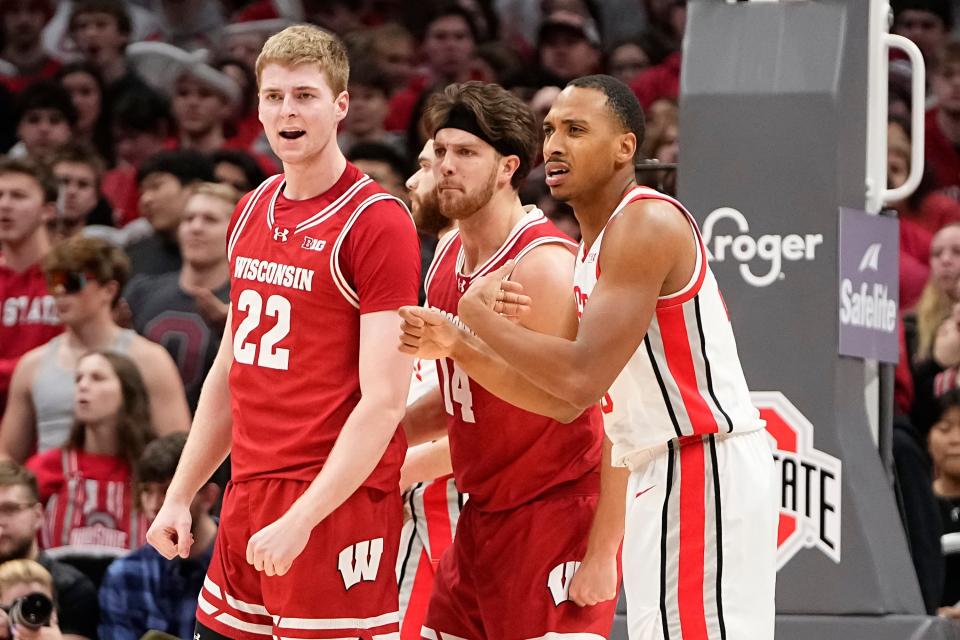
(284, 275)
(454, 319)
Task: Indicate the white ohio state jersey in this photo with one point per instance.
(685, 379)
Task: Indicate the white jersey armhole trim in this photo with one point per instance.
(245, 214)
(338, 278)
(653, 194)
(446, 241)
(539, 242)
(334, 207)
(530, 219)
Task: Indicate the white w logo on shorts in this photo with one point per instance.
(559, 581)
(360, 561)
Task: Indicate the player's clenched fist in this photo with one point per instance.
(426, 334)
(170, 531)
(595, 581)
(274, 548)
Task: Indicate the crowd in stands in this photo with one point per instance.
(130, 131)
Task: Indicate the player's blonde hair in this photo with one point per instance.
(305, 44)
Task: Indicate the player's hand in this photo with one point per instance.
(169, 532)
(274, 548)
(426, 334)
(595, 581)
(493, 291)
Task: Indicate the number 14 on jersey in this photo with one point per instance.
(456, 389)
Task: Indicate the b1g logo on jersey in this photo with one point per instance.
(770, 248)
(810, 481)
(360, 562)
(558, 582)
(313, 244)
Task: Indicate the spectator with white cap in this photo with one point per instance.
(202, 98)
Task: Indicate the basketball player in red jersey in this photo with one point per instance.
(307, 390)
(655, 345)
(533, 481)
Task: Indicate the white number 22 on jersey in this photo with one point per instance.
(457, 389)
(246, 352)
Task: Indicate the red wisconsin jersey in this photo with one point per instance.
(302, 273)
(504, 456)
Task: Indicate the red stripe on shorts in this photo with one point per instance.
(693, 623)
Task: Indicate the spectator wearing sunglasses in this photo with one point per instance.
(29, 319)
(85, 276)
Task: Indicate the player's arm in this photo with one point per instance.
(425, 419)
(426, 462)
(545, 274)
(18, 430)
(169, 411)
(384, 382)
(597, 580)
(644, 246)
(207, 447)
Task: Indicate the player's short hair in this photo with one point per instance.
(159, 459)
(115, 8)
(217, 190)
(186, 165)
(502, 119)
(103, 260)
(36, 170)
(305, 44)
(81, 153)
(13, 474)
(621, 101)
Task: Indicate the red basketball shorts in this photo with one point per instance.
(507, 575)
(343, 585)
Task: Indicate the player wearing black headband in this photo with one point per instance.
(533, 481)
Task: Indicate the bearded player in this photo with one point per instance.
(307, 390)
(533, 481)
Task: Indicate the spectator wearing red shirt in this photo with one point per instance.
(21, 23)
(29, 318)
(921, 215)
(943, 121)
(85, 485)
(447, 49)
